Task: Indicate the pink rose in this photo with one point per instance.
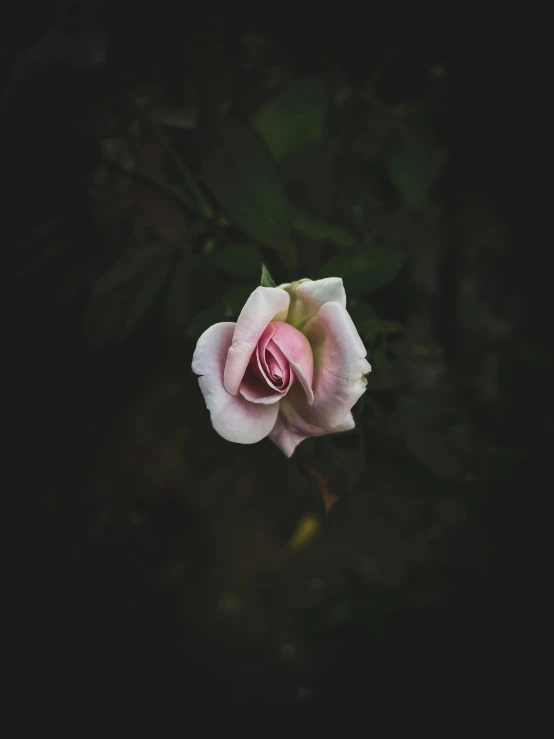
(291, 367)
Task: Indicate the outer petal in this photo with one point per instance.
(339, 380)
(233, 417)
(308, 296)
(290, 428)
(340, 366)
(264, 305)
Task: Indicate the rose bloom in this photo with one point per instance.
(291, 367)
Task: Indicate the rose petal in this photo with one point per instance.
(339, 368)
(233, 417)
(276, 370)
(263, 306)
(279, 365)
(308, 297)
(257, 360)
(296, 348)
(265, 350)
(257, 391)
(290, 428)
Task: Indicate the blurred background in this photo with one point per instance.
(153, 158)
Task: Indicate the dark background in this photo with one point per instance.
(156, 551)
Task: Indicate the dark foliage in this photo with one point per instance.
(168, 565)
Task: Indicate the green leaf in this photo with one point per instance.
(308, 177)
(113, 313)
(242, 177)
(413, 170)
(266, 279)
(194, 288)
(147, 291)
(226, 309)
(294, 119)
(238, 259)
(130, 265)
(117, 151)
(364, 271)
(319, 231)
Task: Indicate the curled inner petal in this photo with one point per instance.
(282, 356)
(268, 376)
(269, 364)
(256, 391)
(278, 365)
(295, 347)
(257, 359)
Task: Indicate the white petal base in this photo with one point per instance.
(233, 417)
